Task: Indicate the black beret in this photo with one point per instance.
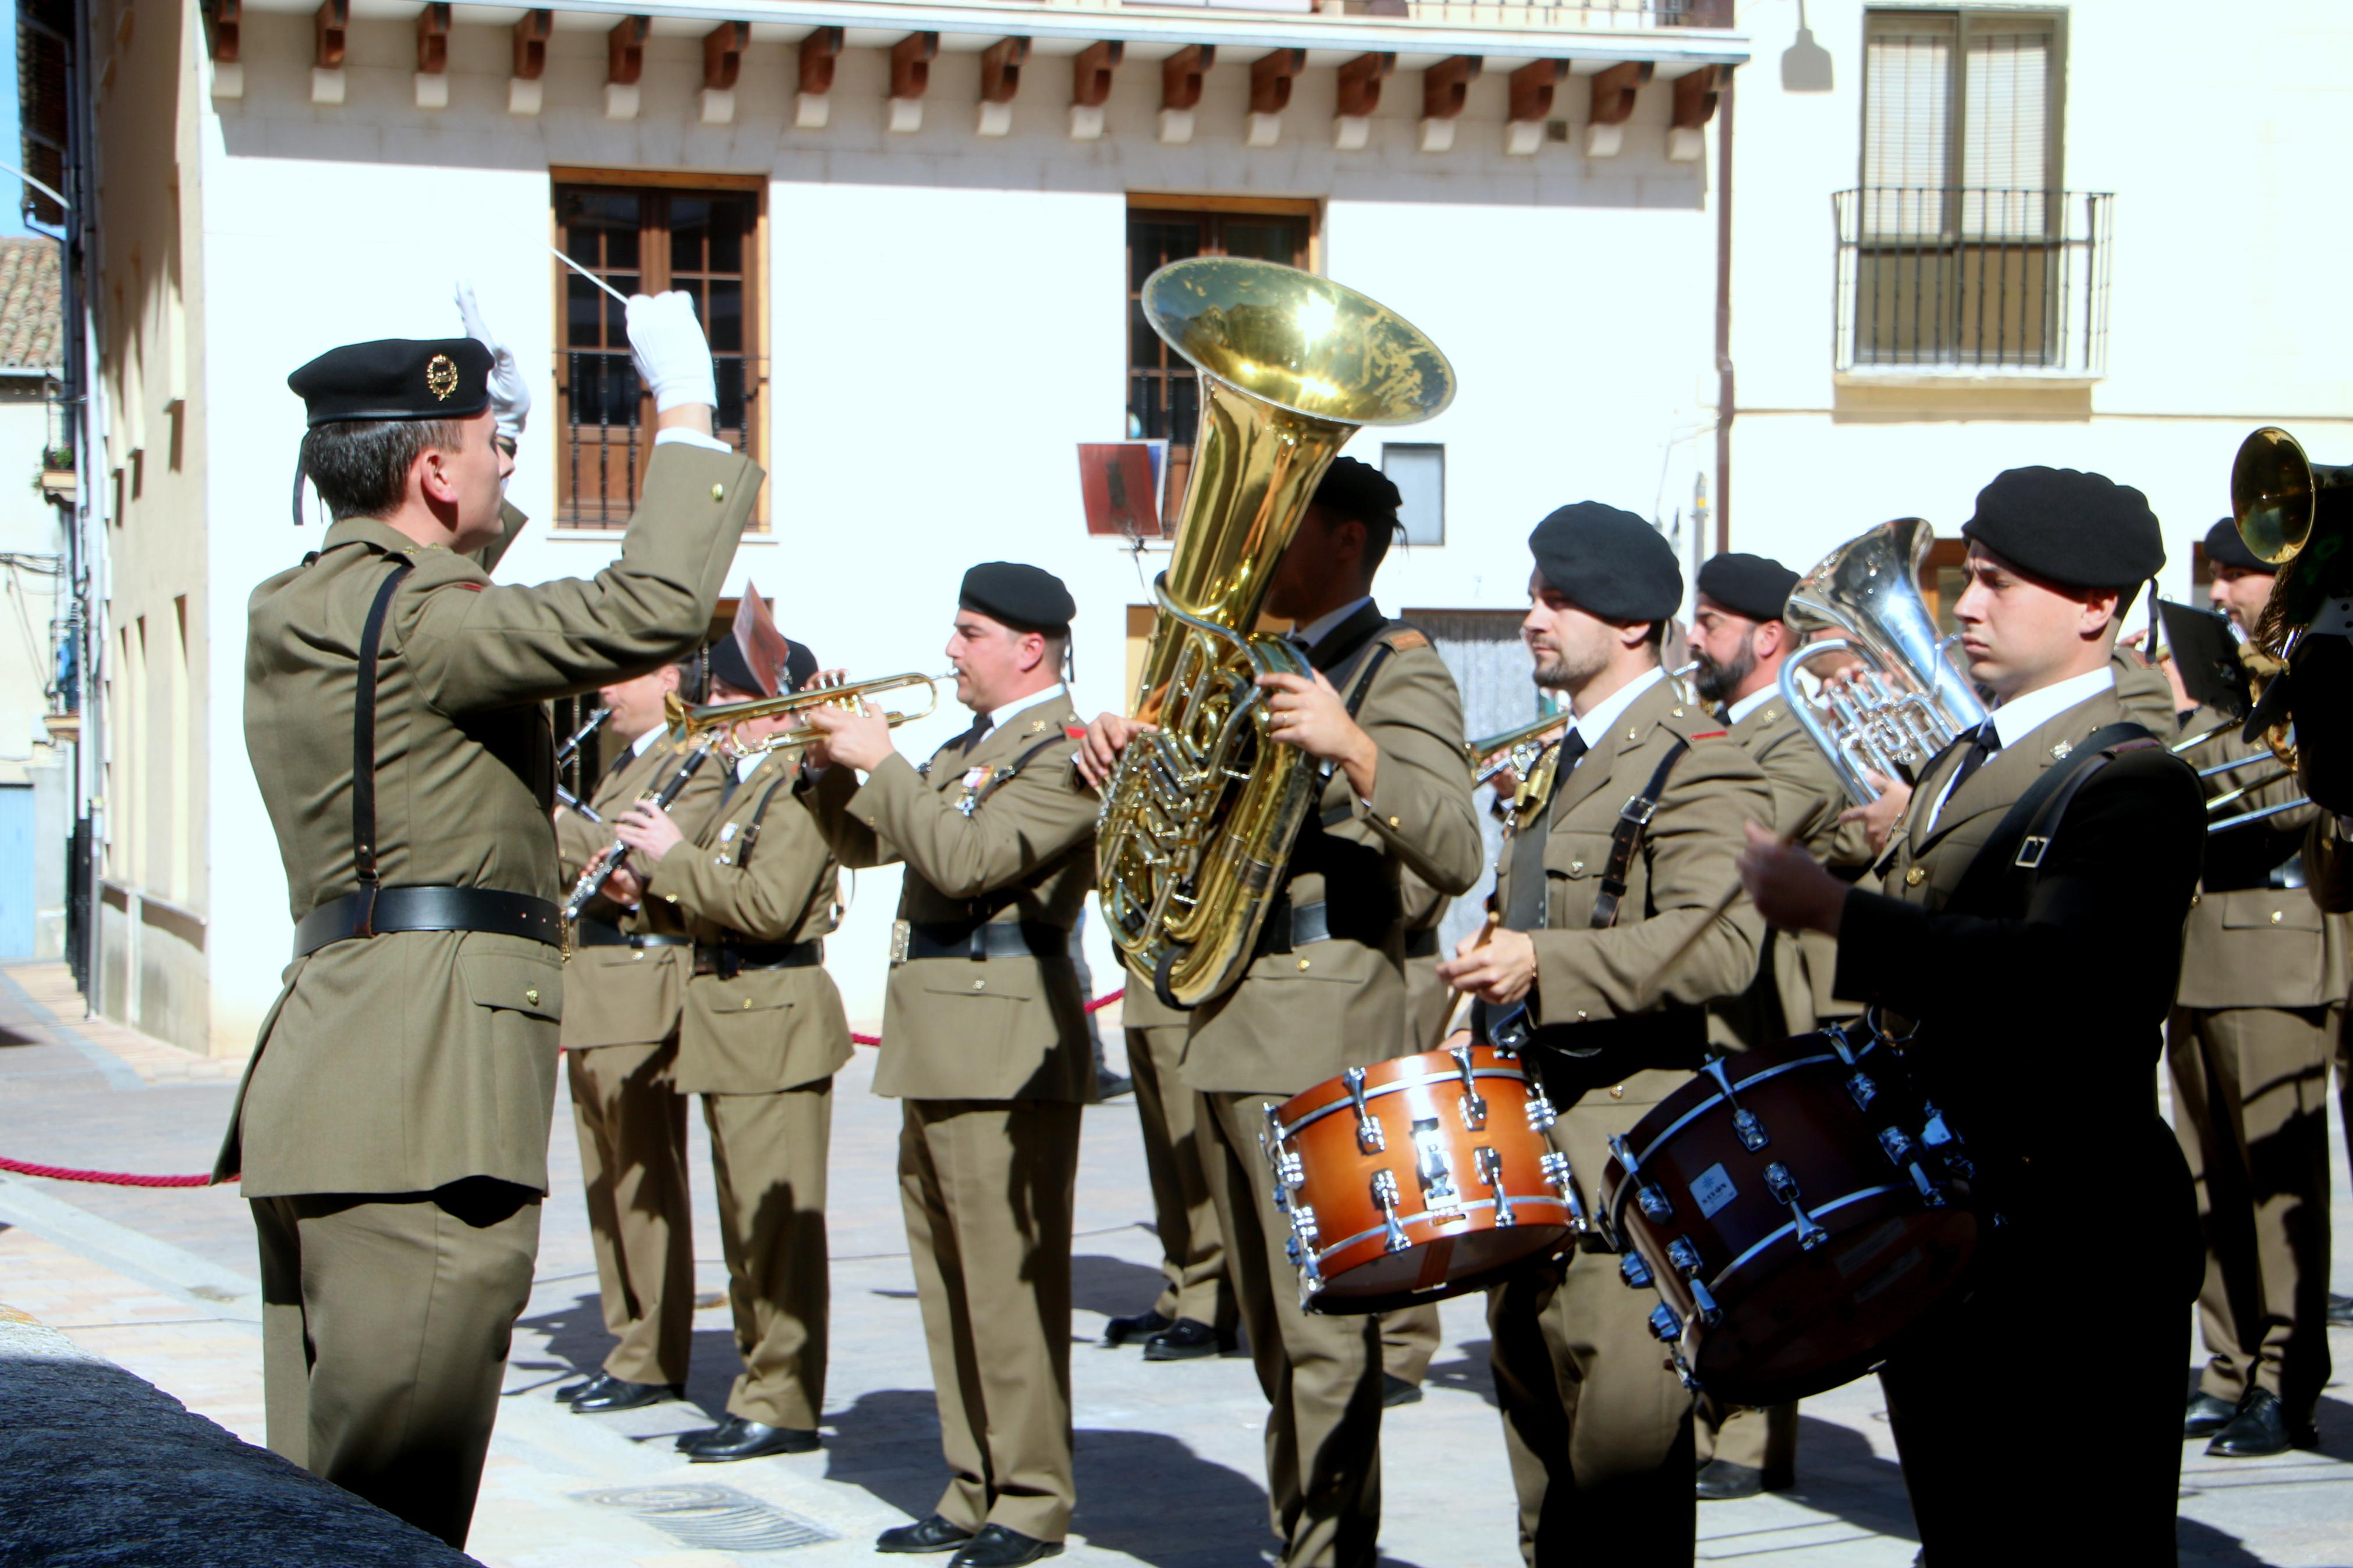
(1609, 562)
(2225, 548)
(799, 665)
(396, 378)
(728, 664)
(1027, 598)
(1358, 491)
(1757, 586)
(2078, 530)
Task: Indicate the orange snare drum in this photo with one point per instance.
(1418, 1179)
(1797, 1209)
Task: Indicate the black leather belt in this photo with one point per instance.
(729, 959)
(1421, 943)
(383, 910)
(1289, 926)
(991, 939)
(605, 934)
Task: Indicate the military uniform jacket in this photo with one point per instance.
(630, 995)
(402, 1062)
(2039, 1026)
(2256, 938)
(760, 872)
(1602, 990)
(998, 1028)
(1297, 1018)
(1792, 990)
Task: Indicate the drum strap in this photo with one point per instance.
(2002, 879)
(1633, 821)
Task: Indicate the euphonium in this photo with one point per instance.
(2296, 515)
(1200, 816)
(1910, 699)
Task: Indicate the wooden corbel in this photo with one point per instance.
(1000, 81)
(329, 25)
(1271, 77)
(1445, 91)
(911, 75)
(1696, 93)
(222, 20)
(523, 85)
(819, 52)
(433, 56)
(1532, 90)
(1091, 76)
(1613, 104)
(624, 63)
(1360, 95)
(1180, 89)
(722, 62)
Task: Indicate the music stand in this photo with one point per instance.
(1119, 484)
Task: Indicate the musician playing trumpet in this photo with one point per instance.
(2028, 946)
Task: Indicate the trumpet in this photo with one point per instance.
(721, 720)
(1516, 749)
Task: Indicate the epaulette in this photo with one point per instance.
(1405, 638)
(1707, 734)
(1073, 730)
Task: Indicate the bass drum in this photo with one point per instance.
(1797, 1209)
(1417, 1179)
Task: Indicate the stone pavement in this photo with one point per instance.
(161, 1281)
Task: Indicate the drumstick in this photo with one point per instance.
(592, 278)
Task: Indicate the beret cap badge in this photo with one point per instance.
(441, 376)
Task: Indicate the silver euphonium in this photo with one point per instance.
(1910, 699)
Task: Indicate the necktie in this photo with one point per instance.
(964, 743)
(1527, 910)
(1988, 742)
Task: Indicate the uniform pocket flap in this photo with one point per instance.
(1016, 982)
(512, 981)
(2288, 908)
(725, 996)
(1575, 855)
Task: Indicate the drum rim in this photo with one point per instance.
(1348, 1102)
(1433, 1215)
(1718, 1098)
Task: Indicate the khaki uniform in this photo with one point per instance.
(392, 1127)
(1791, 996)
(620, 1040)
(764, 1033)
(2248, 1046)
(2038, 1018)
(1301, 1015)
(991, 1056)
(1599, 1432)
(1192, 1257)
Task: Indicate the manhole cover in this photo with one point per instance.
(712, 1518)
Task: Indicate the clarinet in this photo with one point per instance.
(564, 797)
(592, 880)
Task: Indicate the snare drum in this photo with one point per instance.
(1417, 1179)
(1795, 1208)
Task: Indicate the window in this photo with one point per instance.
(1417, 468)
(1163, 402)
(646, 240)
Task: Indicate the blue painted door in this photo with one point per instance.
(16, 870)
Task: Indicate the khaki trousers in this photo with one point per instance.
(1763, 1440)
(1598, 1431)
(1322, 1375)
(768, 1167)
(1408, 1339)
(1192, 1258)
(632, 1128)
(385, 1322)
(988, 1188)
(2251, 1100)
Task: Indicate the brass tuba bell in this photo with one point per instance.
(1200, 816)
(2275, 494)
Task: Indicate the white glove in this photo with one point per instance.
(510, 398)
(672, 357)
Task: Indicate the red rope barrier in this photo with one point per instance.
(1097, 1006)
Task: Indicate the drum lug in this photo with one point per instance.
(1863, 1090)
(1896, 1143)
(1634, 1271)
(1931, 1195)
(1369, 1137)
(1783, 1188)
(1556, 1171)
(1490, 1171)
(1665, 1327)
(1431, 1169)
(1541, 1115)
(1475, 1108)
(1705, 1305)
(1684, 1256)
(1836, 1034)
(1750, 1130)
(1945, 1144)
(1385, 1197)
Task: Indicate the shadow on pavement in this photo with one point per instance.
(1839, 1473)
(888, 1443)
(2208, 1547)
(575, 1333)
(1469, 1372)
(1112, 1286)
(1149, 1496)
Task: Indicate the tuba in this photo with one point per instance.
(1910, 699)
(1199, 819)
(2297, 516)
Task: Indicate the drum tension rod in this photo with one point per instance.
(1783, 1188)
(1745, 1124)
(1685, 1257)
(1369, 1137)
(1385, 1196)
(1490, 1171)
(1648, 1193)
(1475, 1108)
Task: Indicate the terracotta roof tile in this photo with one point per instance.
(29, 329)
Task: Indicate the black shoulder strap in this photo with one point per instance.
(1005, 776)
(364, 844)
(1633, 819)
(752, 828)
(2012, 858)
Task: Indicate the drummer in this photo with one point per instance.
(1595, 899)
(1326, 989)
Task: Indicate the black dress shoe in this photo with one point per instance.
(1720, 1480)
(1112, 1085)
(2261, 1429)
(572, 1391)
(998, 1547)
(2206, 1416)
(932, 1534)
(1187, 1340)
(2340, 1310)
(1396, 1391)
(736, 1438)
(1139, 1326)
(619, 1393)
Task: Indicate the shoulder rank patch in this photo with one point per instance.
(1075, 732)
(1409, 639)
(1709, 734)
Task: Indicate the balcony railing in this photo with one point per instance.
(1973, 281)
(1573, 14)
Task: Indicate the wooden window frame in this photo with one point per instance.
(667, 182)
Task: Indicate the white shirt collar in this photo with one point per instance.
(2021, 716)
(637, 747)
(1750, 703)
(1596, 726)
(1322, 626)
(745, 766)
(988, 719)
